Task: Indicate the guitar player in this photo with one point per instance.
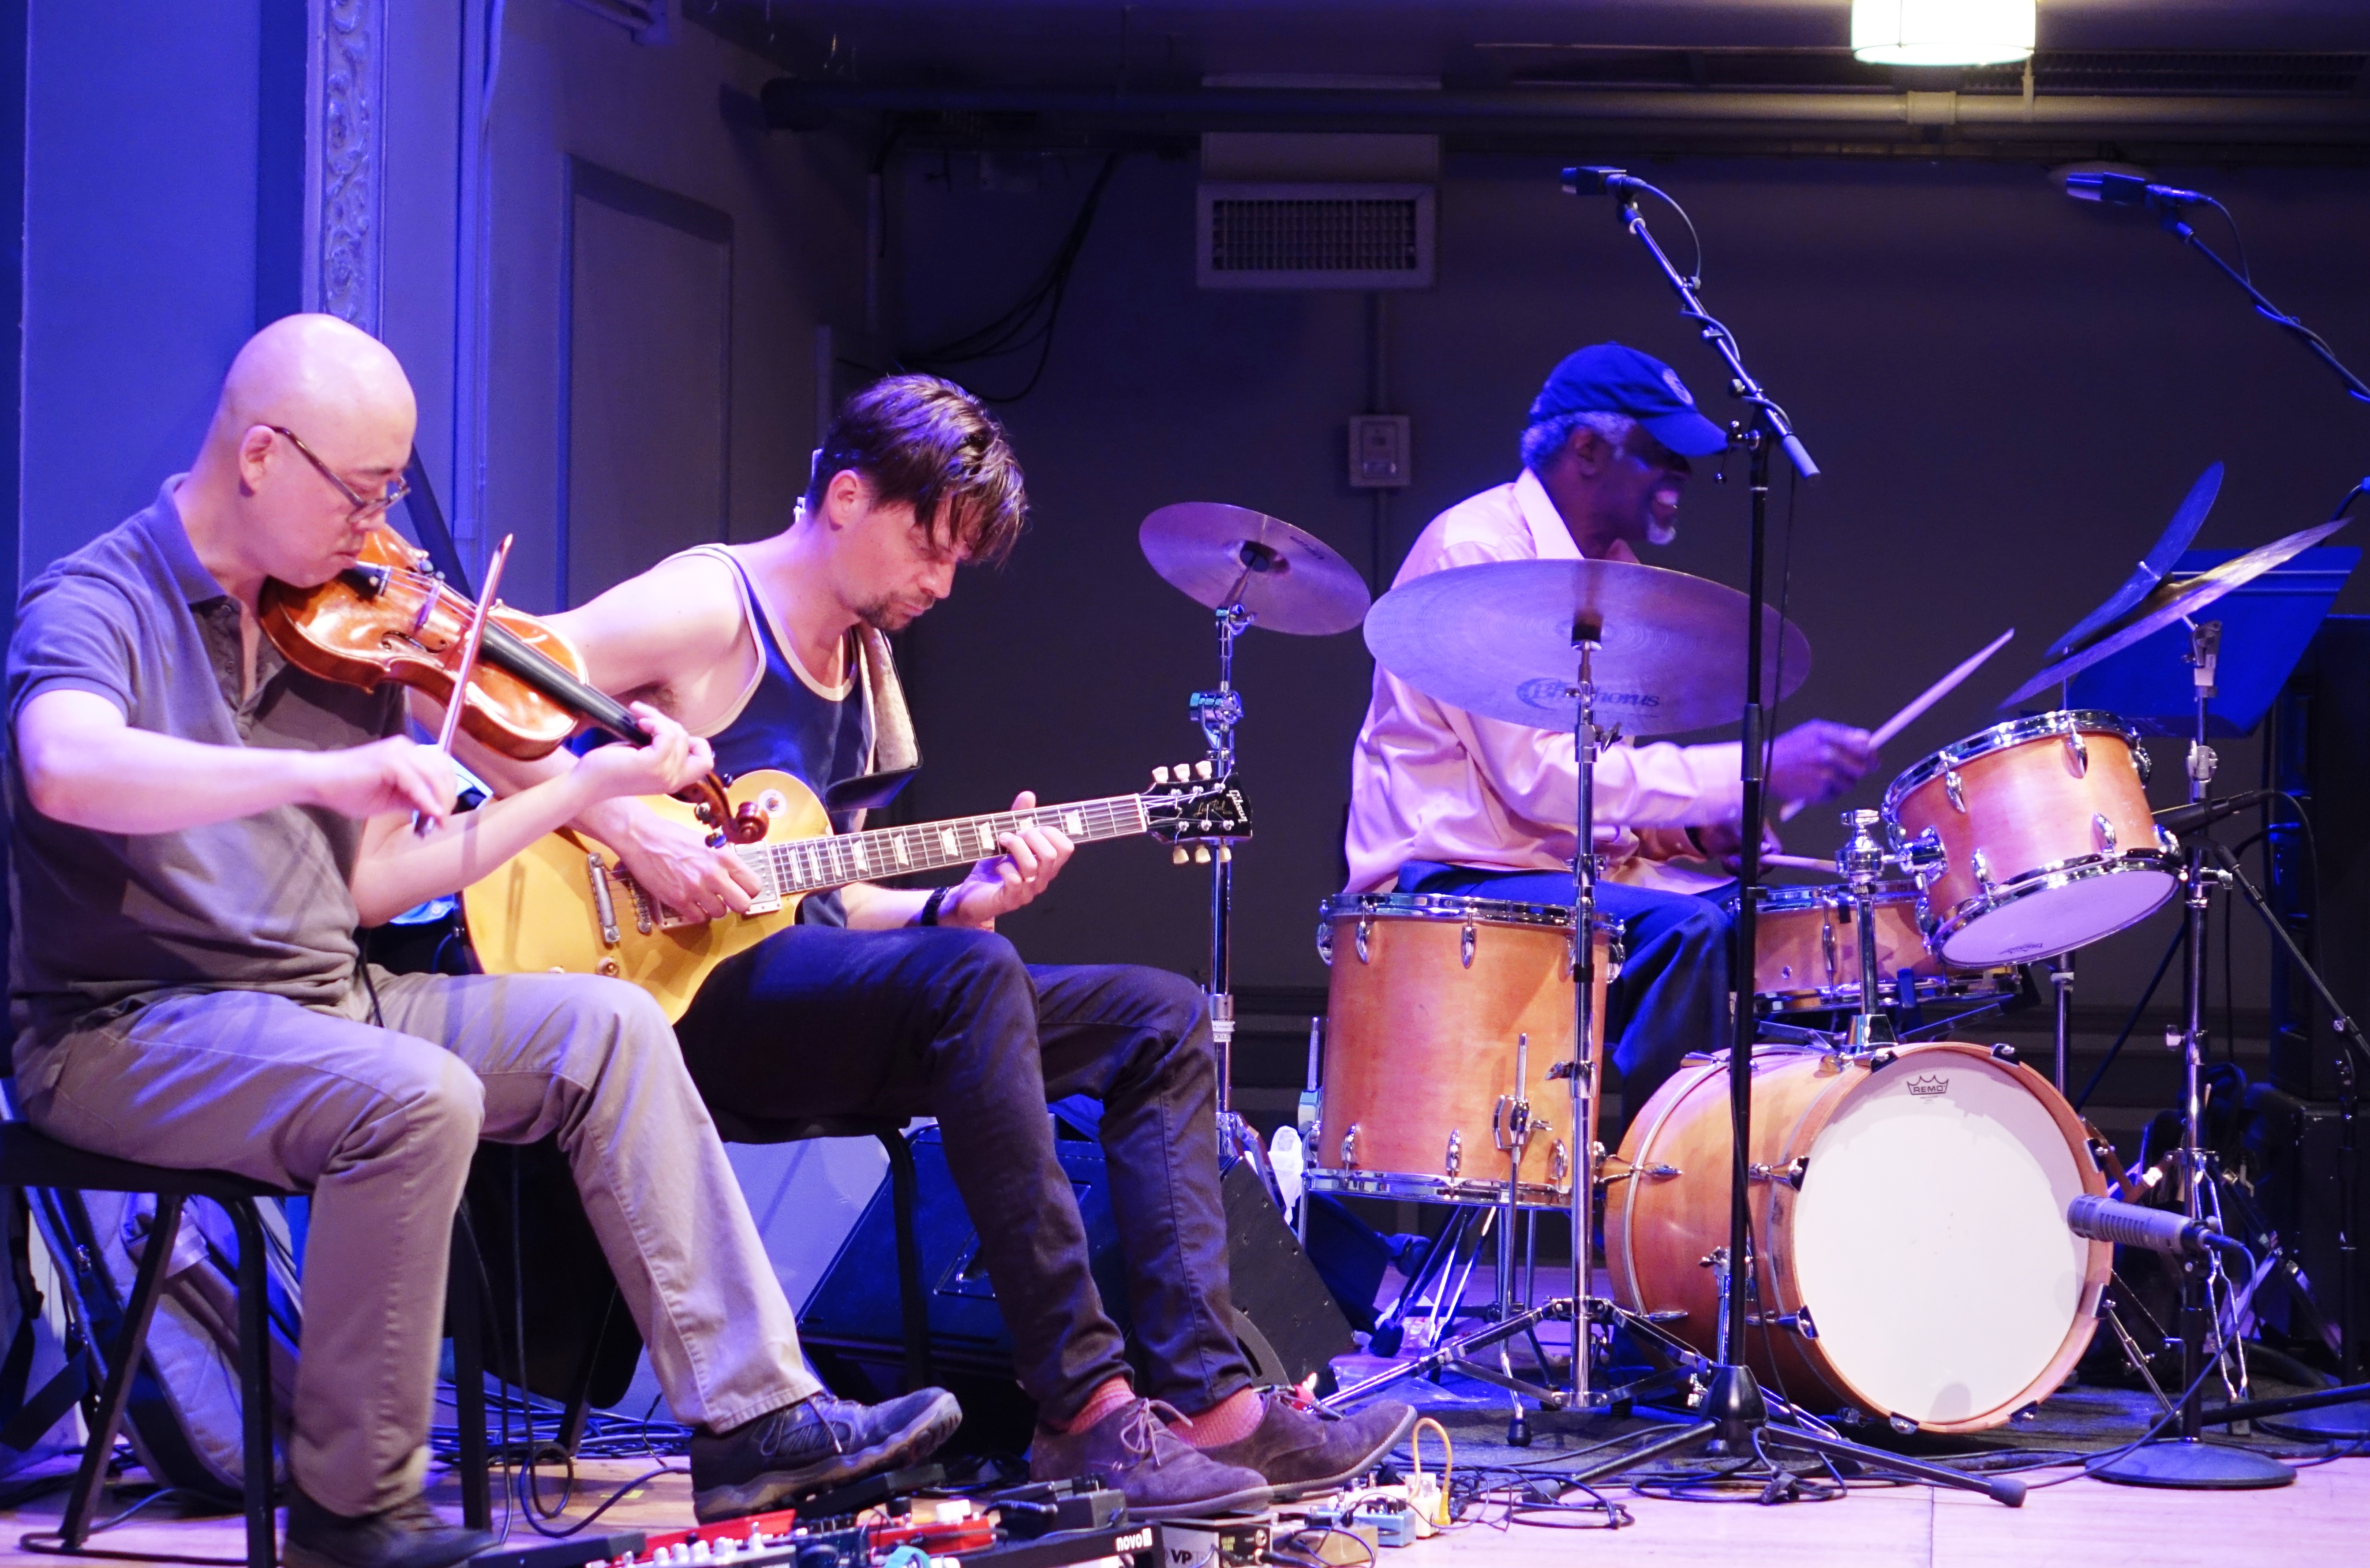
(903, 1002)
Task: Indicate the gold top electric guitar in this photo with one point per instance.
(561, 905)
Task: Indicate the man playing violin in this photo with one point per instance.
(905, 1002)
(197, 829)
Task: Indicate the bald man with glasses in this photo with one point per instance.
(197, 827)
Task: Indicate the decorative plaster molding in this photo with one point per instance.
(344, 147)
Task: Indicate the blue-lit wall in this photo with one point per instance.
(141, 148)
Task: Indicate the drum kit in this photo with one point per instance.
(1909, 1258)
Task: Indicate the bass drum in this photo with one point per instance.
(1908, 1212)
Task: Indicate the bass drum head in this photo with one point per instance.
(1930, 1244)
(2047, 921)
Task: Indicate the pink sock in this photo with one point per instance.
(1113, 1395)
(1231, 1419)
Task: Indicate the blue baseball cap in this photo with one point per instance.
(1616, 378)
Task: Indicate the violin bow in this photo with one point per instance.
(471, 641)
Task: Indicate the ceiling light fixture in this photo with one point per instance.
(1942, 32)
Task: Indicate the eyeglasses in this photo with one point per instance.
(364, 506)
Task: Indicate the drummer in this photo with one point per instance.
(1446, 801)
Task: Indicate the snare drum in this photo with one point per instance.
(1806, 953)
(1430, 996)
(2046, 839)
(1908, 1213)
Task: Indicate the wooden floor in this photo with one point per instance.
(2324, 1519)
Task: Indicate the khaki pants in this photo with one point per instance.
(379, 1124)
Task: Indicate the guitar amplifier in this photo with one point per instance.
(2296, 1150)
(2318, 748)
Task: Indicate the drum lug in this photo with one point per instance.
(1983, 869)
(1465, 947)
(1799, 1321)
(1365, 930)
(2105, 831)
(1324, 941)
(2142, 760)
(1316, 1139)
(1349, 1149)
(1952, 792)
(1924, 857)
(1456, 1159)
(2165, 841)
(2004, 1051)
(1790, 1175)
(1558, 1166)
(2077, 754)
(1880, 1060)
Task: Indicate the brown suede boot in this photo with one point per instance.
(1305, 1448)
(1162, 1476)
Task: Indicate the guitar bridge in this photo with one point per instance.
(604, 908)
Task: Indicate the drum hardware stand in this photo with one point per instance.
(2189, 1460)
(1735, 1412)
(1218, 712)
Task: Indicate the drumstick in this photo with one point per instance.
(1798, 862)
(1919, 705)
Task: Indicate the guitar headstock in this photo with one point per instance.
(1192, 802)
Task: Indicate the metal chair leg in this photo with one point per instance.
(122, 1366)
(905, 1187)
(254, 1377)
(461, 1308)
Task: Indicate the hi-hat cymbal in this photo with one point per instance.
(1288, 580)
(1497, 640)
(2172, 602)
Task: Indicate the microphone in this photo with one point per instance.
(2190, 818)
(1588, 179)
(2129, 1225)
(2128, 191)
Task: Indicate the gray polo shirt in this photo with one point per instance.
(102, 921)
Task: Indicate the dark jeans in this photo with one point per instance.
(944, 1022)
(1672, 997)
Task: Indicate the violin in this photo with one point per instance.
(391, 617)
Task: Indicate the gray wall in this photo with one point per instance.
(2009, 392)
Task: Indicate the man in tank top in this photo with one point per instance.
(904, 1001)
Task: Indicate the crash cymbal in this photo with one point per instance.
(2152, 568)
(1288, 580)
(1497, 640)
(2173, 602)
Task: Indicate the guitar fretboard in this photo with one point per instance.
(805, 865)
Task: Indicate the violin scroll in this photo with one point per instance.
(745, 825)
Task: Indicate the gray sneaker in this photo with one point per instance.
(1305, 1448)
(1160, 1474)
(817, 1442)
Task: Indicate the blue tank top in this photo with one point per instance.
(787, 724)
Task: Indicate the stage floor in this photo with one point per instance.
(2319, 1521)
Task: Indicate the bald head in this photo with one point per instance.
(257, 504)
(332, 383)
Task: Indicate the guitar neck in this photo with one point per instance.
(809, 865)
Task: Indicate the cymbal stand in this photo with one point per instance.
(2060, 969)
(1736, 1413)
(1218, 712)
(2189, 1460)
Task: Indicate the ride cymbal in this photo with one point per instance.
(1497, 640)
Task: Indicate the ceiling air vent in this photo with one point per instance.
(1314, 236)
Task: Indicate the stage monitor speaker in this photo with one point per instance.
(1286, 1321)
(2294, 1146)
(2318, 749)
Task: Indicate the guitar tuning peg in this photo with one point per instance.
(1204, 770)
(1180, 855)
(1200, 854)
(1224, 854)
(1183, 771)
(1160, 776)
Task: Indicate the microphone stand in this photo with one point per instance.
(2173, 224)
(1734, 1413)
